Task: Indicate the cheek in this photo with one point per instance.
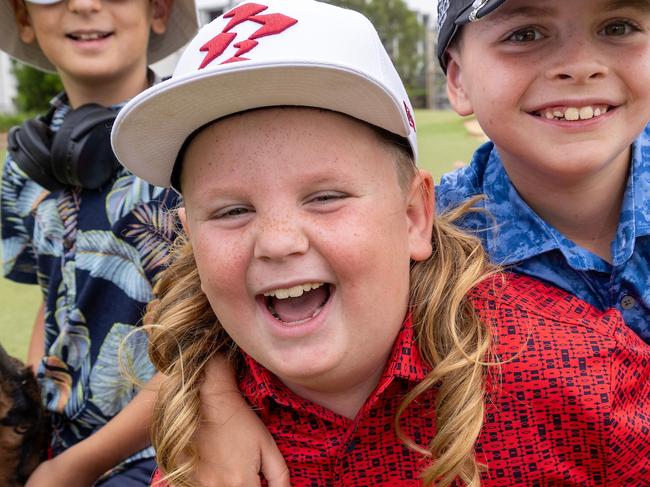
(221, 261)
(369, 245)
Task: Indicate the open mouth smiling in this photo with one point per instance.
(88, 36)
(573, 113)
(297, 304)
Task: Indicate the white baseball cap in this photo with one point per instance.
(264, 54)
(182, 25)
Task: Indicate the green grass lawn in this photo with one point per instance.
(442, 138)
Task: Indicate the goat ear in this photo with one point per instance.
(9, 366)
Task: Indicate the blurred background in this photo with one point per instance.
(408, 31)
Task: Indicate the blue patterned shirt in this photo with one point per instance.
(94, 254)
(517, 237)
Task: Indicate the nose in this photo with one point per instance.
(84, 6)
(577, 61)
(279, 238)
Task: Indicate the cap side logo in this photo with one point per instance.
(272, 24)
(409, 116)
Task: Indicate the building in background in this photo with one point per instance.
(7, 85)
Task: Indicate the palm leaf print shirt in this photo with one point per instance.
(95, 254)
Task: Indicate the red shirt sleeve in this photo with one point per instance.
(157, 480)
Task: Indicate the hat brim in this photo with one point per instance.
(182, 25)
(208, 96)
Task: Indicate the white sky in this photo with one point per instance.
(424, 6)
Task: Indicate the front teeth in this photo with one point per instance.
(573, 114)
(293, 292)
(89, 37)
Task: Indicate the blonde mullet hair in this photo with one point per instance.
(452, 340)
(455, 343)
(450, 336)
(186, 336)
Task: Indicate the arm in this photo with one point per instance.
(233, 444)
(37, 341)
(124, 435)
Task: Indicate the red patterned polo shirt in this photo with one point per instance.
(571, 407)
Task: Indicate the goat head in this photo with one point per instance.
(24, 425)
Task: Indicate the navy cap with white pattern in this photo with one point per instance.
(452, 14)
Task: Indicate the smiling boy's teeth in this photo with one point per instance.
(293, 292)
(586, 113)
(88, 36)
(572, 114)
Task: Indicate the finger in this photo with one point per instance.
(274, 468)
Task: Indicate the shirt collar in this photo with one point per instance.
(521, 234)
(405, 362)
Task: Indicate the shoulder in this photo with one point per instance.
(520, 310)
(457, 186)
(128, 193)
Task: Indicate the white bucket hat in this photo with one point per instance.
(182, 26)
(264, 54)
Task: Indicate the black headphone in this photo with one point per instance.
(78, 154)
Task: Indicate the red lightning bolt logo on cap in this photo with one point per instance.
(272, 24)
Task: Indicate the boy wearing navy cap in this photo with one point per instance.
(560, 88)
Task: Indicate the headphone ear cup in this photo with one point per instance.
(81, 150)
(29, 146)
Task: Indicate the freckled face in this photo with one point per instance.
(305, 203)
(560, 86)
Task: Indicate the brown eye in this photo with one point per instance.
(619, 28)
(21, 429)
(525, 35)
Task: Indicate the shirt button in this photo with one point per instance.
(628, 302)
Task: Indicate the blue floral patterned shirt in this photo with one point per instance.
(95, 254)
(519, 238)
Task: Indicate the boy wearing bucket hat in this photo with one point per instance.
(560, 88)
(363, 330)
(89, 233)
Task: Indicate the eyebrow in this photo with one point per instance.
(541, 11)
(642, 5)
(523, 11)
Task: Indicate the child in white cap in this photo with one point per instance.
(92, 235)
(375, 341)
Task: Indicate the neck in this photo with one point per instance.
(105, 92)
(345, 399)
(585, 209)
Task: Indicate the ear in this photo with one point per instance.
(182, 216)
(456, 90)
(420, 215)
(160, 12)
(23, 22)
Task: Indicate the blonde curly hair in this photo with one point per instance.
(450, 336)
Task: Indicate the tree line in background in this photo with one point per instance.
(399, 28)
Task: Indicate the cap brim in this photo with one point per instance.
(489, 7)
(205, 97)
